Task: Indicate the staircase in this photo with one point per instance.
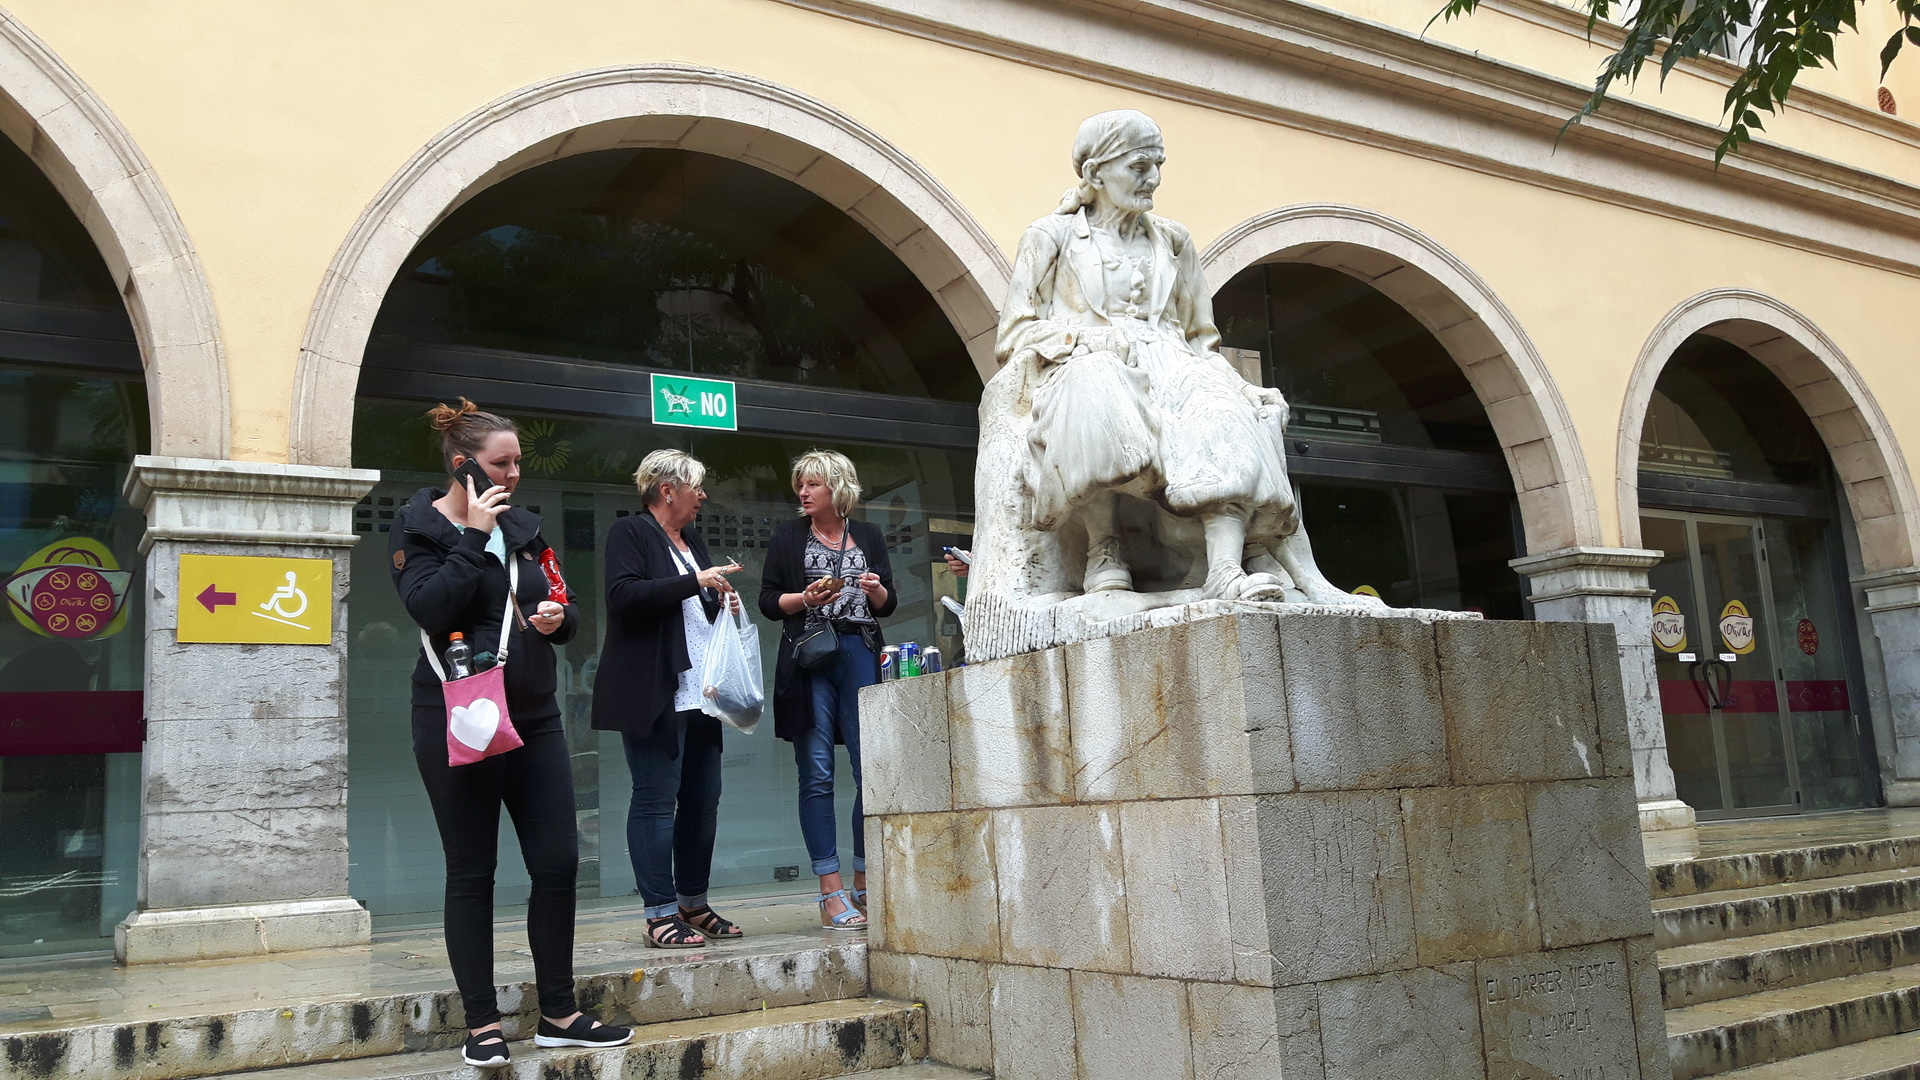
(1793, 964)
(785, 1007)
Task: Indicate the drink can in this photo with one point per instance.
(930, 661)
(909, 659)
(889, 663)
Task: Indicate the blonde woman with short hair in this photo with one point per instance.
(663, 594)
(827, 566)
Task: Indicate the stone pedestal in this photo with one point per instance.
(1259, 845)
(1609, 585)
(243, 834)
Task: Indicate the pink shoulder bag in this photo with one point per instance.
(478, 726)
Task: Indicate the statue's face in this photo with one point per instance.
(1128, 182)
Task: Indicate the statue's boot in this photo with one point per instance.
(1106, 573)
(1106, 570)
(1227, 581)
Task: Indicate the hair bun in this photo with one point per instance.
(444, 416)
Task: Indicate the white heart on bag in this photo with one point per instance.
(475, 724)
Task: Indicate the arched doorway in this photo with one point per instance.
(73, 415)
(1763, 477)
(1398, 465)
(561, 296)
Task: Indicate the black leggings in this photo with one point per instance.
(535, 784)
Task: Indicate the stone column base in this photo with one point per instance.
(1659, 814)
(159, 937)
(1903, 792)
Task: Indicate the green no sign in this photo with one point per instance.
(689, 402)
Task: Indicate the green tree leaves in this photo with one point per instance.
(1772, 40)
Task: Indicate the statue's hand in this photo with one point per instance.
(1094, 339)
(1263, 395)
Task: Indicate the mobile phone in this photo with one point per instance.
(472, 470)
(963, 556)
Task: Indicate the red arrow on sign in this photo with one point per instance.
(213, 598)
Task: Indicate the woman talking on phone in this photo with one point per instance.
(663, 594)
(451, 552)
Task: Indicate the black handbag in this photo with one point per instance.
(818, 646)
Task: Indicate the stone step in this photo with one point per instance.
(1749, 870)
(1769, 909)
(1774, 1025)
(866, 1037)
(1895, 1057)
(762, 973)
(1732, 967)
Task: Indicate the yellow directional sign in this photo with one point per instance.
(256, 600)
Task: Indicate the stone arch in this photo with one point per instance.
(1557, 506)
(658, 105)
(80, 146)
(1865, 454)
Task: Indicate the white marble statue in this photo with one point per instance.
(1125, 466)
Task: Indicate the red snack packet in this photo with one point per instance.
(556, 585)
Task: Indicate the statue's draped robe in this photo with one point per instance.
(1174, 416)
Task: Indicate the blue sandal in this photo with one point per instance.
(846, 919)
(859, 899)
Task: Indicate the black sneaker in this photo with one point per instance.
(584, 1031)
(487, 1050)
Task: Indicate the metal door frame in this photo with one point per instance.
(1691, 520)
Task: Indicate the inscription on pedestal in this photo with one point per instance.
(1565, 1014)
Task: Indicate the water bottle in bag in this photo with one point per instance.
(459, 656)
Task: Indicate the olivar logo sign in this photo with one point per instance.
(1736, 627)
(690, 402)
(72, 589)
(1669, 625)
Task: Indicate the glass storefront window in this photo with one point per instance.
(71, 659)
(675, 260)
(73, 413)
(543, 298)
(578, 478)
(1763, 721)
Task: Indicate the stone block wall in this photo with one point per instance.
(1255, 846)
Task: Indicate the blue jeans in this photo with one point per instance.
(836, 710)
(675, 808)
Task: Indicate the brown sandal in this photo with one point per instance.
(673, 932)
(709, 922)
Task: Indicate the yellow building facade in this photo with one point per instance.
(257, 180)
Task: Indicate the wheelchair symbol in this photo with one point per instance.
(287, 603)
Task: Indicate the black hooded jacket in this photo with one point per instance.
(448, 582)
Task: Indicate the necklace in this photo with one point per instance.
(836, 542)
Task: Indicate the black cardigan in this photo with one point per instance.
(448, 582)
(646, 646)
(786, 572)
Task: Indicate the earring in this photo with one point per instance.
(669, 500)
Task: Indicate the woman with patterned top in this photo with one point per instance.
(825, 566)
(663, 594)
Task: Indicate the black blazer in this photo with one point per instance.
(646, 646)
(786, 571)
(448, 582)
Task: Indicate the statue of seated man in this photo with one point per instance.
(1108, 322)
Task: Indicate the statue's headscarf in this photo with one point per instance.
(1102, 139)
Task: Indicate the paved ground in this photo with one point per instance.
(44, 994)
(1741, 837)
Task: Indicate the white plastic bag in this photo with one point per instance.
(730, 685)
